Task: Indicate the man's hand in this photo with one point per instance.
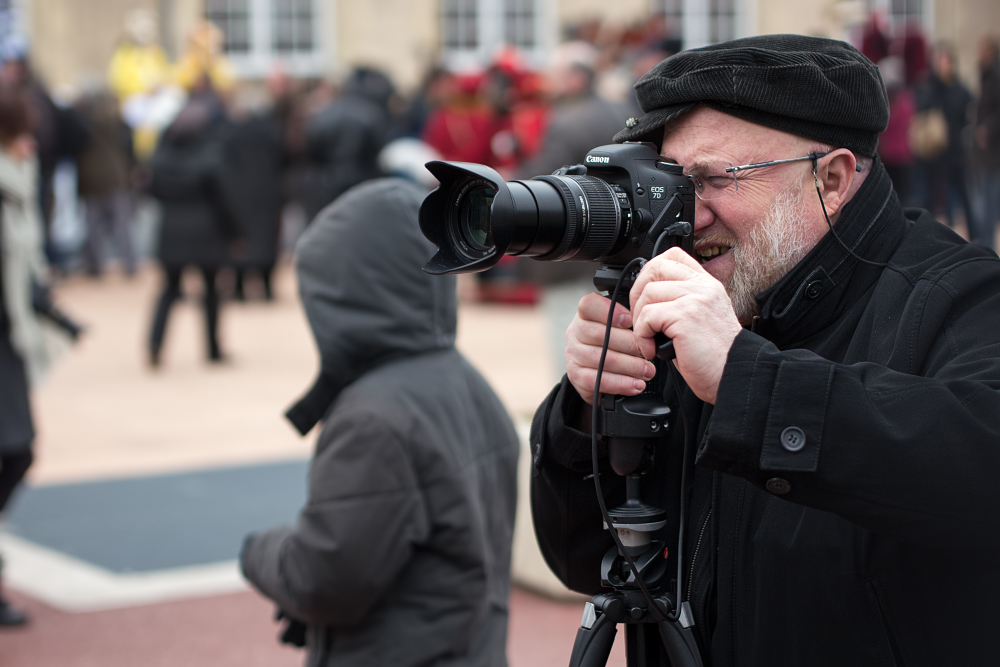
(676, 296)
(625, 371)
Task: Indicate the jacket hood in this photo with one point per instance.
(367, 299)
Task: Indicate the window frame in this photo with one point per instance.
(695, 20)
(261, 57)
(926, 17)
(490, 25)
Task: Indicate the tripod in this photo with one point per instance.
(634, 568)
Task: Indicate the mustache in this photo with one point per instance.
(717, 239)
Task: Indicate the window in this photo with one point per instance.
(673, 13)
(701, 22)
(11, 22)
(472, 31)
(520, 24)
(459, 19)
(900, 13)
(232, 17)
(721, 20)
(261, 33)
(292, 26)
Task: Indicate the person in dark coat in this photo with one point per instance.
(254, 158)
(104, 168)
(946, 174)
(988, 133)
(401, 555)
(842, 381)
(343, 140)
(199, 223)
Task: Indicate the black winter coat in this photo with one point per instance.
(198, 218)
(988, 114)
(401, 555)
(878, 541)
(254, 157)
(342, 143)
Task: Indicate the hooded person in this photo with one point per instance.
(401, 555)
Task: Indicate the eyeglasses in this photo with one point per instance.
(718, 180)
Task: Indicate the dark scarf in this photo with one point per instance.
(817, 291)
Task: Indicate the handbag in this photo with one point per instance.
(928, 134)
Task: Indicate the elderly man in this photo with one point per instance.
(842, 367)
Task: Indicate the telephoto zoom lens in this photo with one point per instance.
(552, 218)
(578, 218)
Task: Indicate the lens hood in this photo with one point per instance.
(441, 218)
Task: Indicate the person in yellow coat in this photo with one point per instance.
(139, 64)
(204, 58)
(139, 75)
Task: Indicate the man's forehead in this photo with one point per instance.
(706, 136)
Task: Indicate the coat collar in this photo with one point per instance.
(828, 280)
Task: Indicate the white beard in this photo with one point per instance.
(771, 250)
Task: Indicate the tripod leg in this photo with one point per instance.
(644, 646)
(680, 644)
(594, 640)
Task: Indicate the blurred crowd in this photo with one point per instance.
(942, 146)
(223, 163)
(232, 170)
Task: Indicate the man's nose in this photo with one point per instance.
(703, 216)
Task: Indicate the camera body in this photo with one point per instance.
(611, 209)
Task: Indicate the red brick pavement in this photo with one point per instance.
(236, 630)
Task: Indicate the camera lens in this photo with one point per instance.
(576, 218)
(475, 214)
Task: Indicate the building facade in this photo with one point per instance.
(71, 41)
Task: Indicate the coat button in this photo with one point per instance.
(814, 289)
(778, 486)
(793, 439)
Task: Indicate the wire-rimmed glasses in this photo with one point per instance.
(719, 179)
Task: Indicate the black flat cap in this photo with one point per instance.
(817, 88)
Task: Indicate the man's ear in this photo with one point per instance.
(836, 173)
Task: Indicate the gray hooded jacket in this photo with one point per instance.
(402, 553)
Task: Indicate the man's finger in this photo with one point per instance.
(663, 291)
(658, 318)
(594, 308)
(615, 362)
(659, 269)
(611, 383)
(678, 255)
(592, 333)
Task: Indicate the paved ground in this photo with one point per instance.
(237, 631)
(122, 545)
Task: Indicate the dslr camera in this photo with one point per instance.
(611, 209)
